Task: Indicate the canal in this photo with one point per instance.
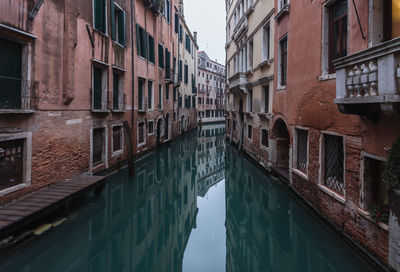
(194, 205)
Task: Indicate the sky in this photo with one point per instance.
(209, 24)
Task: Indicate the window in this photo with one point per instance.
(333, 163)
(265, 96)
(250, 54)
(283, 3)
(180, 33)
(264, 138)
(151, 127)
(141, 100)
(99, 99)
(141, 41)
(100, 15)
(160, 56)
(337, 32)
(186, 74)
(117, 138)
(374, 194)
(98, 146)
(249, 132)
(118, 95)
(180, 70)
(15, 160)
(117, 24)
(141, 133)
(151, 48)
(167, 91)
(150, 95)
(11, 81)
(187, 42)
(283, 61)
(301, 162)
(167, 64)
(250, 100)
(176, 23)
(160, 96)
(266, 42)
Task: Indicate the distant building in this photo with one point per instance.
(211, 89)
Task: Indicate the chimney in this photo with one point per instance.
(195, 36)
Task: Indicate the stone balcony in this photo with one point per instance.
(237, 83)
(371, 76)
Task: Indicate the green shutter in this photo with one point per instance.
(143, 37)
(99, 15)
(186, 74)
(150, 95)
(167, 63)
(176, 23)
(121, 27)
(97, 88)
(138, 39)
(113, 26)
(160, 56)
(116, 91)
(151, 48)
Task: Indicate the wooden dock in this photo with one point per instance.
(17, 215)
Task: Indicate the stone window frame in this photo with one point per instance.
(148, 126)
(295, 144)
(105, 81)
(247, 132)
(325, 74)
(104, 162)
(279, 86)
(144, 134)
(26, 40)
(266, 148)
(106, 7)
(116, 153)
(321, 171)
(361, 207)
(27, 167)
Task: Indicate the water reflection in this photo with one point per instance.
(270, 230)
(144, 224)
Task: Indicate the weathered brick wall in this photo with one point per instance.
(394, 226)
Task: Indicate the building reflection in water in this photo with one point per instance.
(140, 224)
(210, 157)
(144, 224)
(268, 229)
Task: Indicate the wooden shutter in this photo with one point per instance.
(97, 88)
(176, 23)
(113, 26)
(121, 27)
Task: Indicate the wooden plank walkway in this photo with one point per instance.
(17, 215)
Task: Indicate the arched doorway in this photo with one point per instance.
(159, 130)
(280, 134)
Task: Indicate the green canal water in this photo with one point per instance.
(194, 205)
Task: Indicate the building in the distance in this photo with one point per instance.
(211, 90)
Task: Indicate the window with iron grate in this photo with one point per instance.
(98, 145)
(302, 154)
(334, 163)
(11, 163)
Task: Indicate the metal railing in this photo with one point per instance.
(18, 94)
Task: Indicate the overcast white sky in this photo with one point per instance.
(207, 17)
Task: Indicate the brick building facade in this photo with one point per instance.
(72, 72)
(335, 113)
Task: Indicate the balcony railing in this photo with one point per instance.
(238, 82)
(371, 76)
(17, 95)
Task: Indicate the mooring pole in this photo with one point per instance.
(128, 141)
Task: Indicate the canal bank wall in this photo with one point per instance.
(394, 231)
(346, 235)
